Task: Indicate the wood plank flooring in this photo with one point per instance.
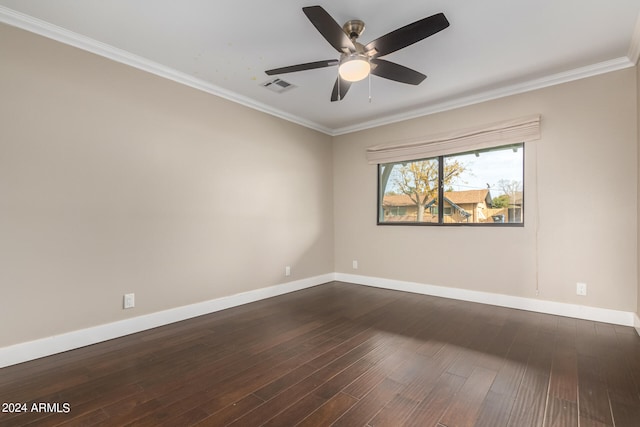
(343, 355)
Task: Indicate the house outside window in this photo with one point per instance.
(395, 211)
(482, 187)
(434, 210)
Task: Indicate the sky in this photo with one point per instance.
(488, 167)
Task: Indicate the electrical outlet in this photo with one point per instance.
(354, 264)
(581, 289)
(287, 271)
(129, 300)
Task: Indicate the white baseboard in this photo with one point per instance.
(542, 306)
(31, 350)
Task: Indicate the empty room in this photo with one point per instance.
(243, 213)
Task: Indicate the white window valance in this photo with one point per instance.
(502, 133)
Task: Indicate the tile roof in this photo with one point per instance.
(467, 196)
(457, 197)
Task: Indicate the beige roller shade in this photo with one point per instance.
(506, 132)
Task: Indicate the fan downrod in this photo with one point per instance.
(353, 28)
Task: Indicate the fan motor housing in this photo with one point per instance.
(353, 28)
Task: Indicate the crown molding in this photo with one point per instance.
(62, 35)
(515, 89)
(634, 45)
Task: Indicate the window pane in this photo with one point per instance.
(485, 186)
(480, 187)
(409, 191)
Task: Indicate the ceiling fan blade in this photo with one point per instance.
(341, 87)
(329, 28)
(302, 67)
(399, 73)
(407, 35)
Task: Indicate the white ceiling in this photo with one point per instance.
(492, 48)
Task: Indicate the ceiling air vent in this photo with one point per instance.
(278, 85)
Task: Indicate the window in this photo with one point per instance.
(484, 186)
(395, 211)
(434, 210)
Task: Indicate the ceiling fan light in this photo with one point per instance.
(354, 68)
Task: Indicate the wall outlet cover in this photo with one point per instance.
(129, 300)
(581, 289)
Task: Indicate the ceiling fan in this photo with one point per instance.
(357, 61)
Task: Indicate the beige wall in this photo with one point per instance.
(113, 180)
(587, 157)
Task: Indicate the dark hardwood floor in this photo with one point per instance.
(343, 355)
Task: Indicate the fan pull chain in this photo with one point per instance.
(369, 88)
